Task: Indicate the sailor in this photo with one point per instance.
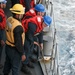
(39, 9)
(27, 4)
(2, 27)
(14, 2)
(32, 3)
(14, 41)
(33, 27)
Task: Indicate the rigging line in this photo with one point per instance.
(51, 9)
(43, 60)
(38, 2)
(53, 40)
(53, 63)
(56, 41)
(55, 56)
(53, 49)
(54, 33)
(57, 59)
(44, 63)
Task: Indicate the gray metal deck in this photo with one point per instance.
(36, 71)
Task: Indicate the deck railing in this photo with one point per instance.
(54, 64)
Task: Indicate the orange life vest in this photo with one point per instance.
(29, 14)
(22, 2)
(37, 20)
(31, 3)
(3, 23)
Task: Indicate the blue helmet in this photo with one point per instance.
(3, 1)
(39, 8)
(47, 20)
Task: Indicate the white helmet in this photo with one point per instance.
(3, 1)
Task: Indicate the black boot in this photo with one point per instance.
(30, 64)
(26, 70)
(33, 58)
(1, 66)
(5, 74)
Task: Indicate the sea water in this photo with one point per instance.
(64, 15)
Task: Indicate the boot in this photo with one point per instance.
(33, 58)
(5, 74)
(25, 69)
(1, 66)
(30, 64)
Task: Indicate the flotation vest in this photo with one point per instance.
(31, 3)
(3, 23)
(22, 2)
(29, 14)
(37, 20)
(12, 23)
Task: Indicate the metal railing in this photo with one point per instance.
(54, 64)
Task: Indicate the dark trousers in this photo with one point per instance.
(27, 50)
(2, 36)
(13, 2)
(1, 48)
(13, 60)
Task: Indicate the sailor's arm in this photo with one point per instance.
(40, 37)
(18, 39)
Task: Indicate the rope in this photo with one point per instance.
(44, 62)
(54, 44)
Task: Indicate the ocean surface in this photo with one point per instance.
(64, 15)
